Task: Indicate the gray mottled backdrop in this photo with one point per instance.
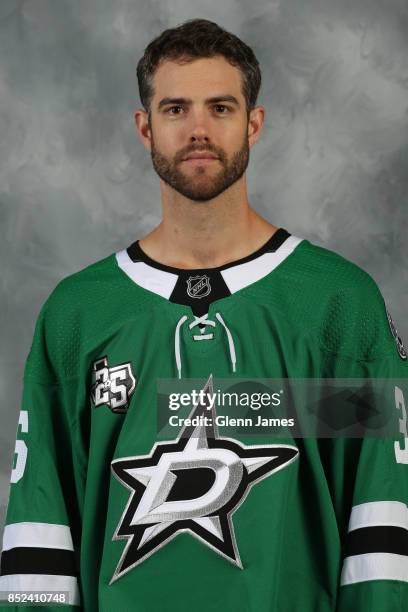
(76, 184)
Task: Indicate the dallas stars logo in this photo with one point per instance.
(193, 485)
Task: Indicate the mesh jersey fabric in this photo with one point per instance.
(314, 315)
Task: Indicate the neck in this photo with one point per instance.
(206, 234)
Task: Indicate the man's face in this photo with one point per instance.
(199, 108)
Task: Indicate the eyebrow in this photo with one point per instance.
(213, 100)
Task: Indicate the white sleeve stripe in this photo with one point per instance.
(37, 535)
(374, 566)
(378, 514)
(42, 582)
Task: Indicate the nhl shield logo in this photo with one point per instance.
(198, 286)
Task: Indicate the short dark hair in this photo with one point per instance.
(193, 39)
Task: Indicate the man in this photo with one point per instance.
(118, 519)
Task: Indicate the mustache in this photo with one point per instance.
(207, 148)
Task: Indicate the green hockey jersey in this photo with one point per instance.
(116, 519)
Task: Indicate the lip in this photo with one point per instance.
(195, 161)
(200, 155)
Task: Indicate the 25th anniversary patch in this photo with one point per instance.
(112, 386)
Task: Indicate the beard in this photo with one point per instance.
(202, 184)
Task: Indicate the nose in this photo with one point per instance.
(199, 129)
(199, 134)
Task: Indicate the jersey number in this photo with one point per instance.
(20, 452)
(401, 453)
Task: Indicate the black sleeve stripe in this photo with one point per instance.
(24, 560)
(377, 539)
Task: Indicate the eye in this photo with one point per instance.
(222, 106)
(177, 106)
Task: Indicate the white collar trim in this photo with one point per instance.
(236, 277)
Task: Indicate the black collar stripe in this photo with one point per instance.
(162, 279)
(136, 253)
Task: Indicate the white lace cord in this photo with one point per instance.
(203, 319)
(230, 342)
(177, 343)
(203, 336)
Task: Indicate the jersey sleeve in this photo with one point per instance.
(42, 530)
(368, 476)
(374, 572)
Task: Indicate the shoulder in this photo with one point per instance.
(98, 287)
(81, 295)
(333, 273)
(83, 308)
(315, 281)
(339, 303)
